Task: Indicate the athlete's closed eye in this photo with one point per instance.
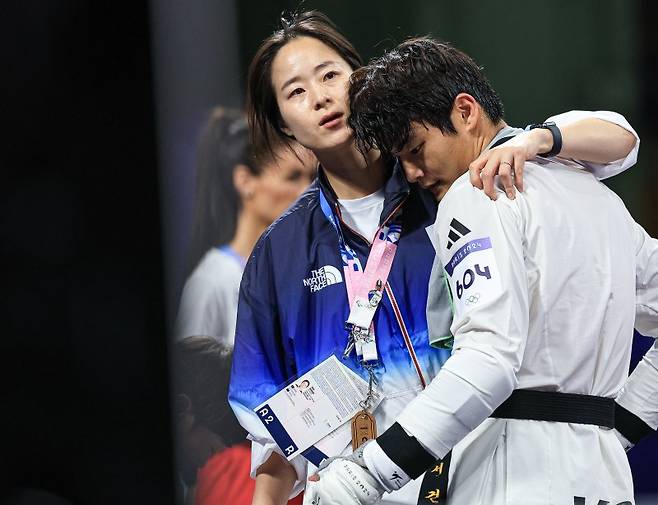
(417, 149)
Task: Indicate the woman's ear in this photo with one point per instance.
(243, 181)
(287, 131)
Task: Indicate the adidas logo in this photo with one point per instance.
(457, 231)
(323, 277)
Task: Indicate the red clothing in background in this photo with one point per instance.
(224, 479)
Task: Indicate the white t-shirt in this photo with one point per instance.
(362, 214)
(209, 303)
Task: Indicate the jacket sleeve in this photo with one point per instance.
(481, 248)
(639, 396)
(261, 361)
(602, 170)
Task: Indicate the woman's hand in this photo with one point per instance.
(507, 161)
(274, 481)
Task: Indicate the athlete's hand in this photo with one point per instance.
(342, 482)
(507, 161)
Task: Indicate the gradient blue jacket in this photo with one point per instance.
(293, 306)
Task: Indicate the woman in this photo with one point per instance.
(293, 308)
(241, 188)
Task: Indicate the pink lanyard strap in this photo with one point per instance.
(365, 287)
(360, 283)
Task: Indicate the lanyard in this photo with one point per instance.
(365, 287)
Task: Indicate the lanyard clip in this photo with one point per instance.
(348, 348)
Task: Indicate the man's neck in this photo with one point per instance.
(489, 131)
(352, 175)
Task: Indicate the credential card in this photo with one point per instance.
(313, 406)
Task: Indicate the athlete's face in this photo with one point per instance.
(435, 160)
(310, 83)
(281, 182)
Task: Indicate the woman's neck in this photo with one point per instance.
(352, 175)
(247, 232)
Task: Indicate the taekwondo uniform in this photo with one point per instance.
(545, 292)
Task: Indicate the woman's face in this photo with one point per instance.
(310, 82)
(281, 182)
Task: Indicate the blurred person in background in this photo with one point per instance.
(213, 456)
(297, 89)
(241, 187)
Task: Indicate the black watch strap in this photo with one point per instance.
(557, 137)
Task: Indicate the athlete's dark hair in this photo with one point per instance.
(224, 144)
(415, 82)
(262, 108)
(201, 370)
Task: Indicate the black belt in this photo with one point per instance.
(558, 407)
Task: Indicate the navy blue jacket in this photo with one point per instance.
(293, 304)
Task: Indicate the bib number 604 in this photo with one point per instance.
(469, 278)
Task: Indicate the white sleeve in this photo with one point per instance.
(203, 309)
(262, 447)
(602, 170)
(646, 283)
(640, 392)
(481, 247)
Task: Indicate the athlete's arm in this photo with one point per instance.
(274, 481)
(637, 402)
(602, 142)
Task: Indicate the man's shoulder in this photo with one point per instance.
(460, 191)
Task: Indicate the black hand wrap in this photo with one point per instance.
(405, 451)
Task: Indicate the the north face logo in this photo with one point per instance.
(323, 277)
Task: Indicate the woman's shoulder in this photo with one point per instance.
(217, 260)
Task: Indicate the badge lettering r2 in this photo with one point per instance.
(263, 412)
(469, 278)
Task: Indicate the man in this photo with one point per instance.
(546, 289)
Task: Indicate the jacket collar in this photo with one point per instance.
(396, 188)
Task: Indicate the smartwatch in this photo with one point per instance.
(557, 137)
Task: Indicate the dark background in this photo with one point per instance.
(82, 348)
(102, 118)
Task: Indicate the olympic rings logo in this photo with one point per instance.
(472, 299)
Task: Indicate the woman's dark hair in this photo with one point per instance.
(202, 369)
(262, 108)
(225, 143)
(417, 81)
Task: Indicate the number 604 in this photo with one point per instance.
(469, 278)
